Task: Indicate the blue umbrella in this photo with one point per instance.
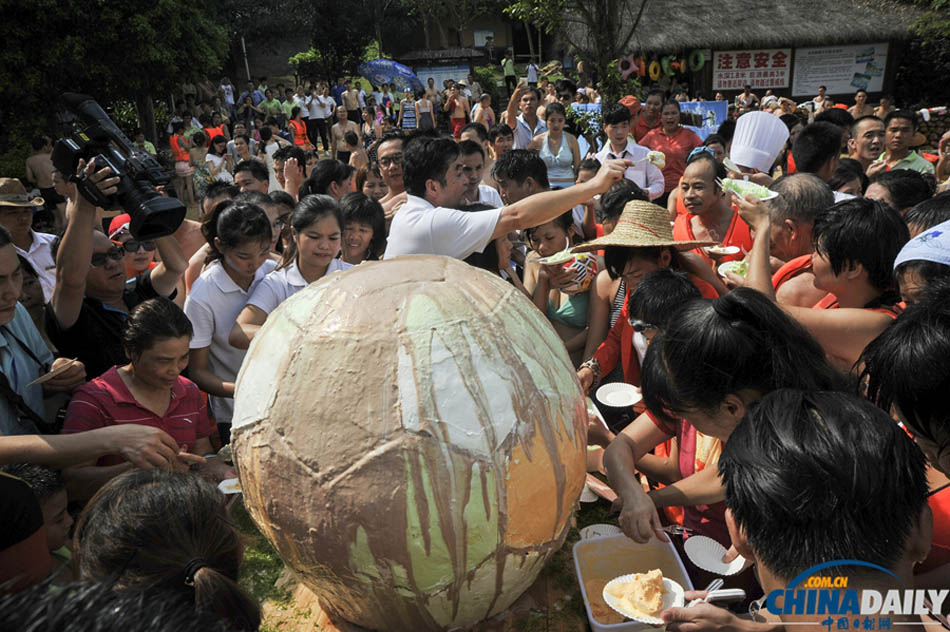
(380, 71)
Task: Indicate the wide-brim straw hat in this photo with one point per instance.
(13, 193)
(641, 225)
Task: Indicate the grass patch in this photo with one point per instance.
(262, 566)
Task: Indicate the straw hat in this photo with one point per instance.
(13, 193)
(641, 225)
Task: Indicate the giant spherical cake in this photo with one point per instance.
(410, 436)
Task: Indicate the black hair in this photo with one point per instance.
(479, 130)
(499, 129)
(906, 187)
(714, 139)
(427, 159)
(233, 224)
(43, 480)
(719, 170)
(615, 114)
(177, 126)
(555, 108)
(801, 197)
(616, 257)
(292, 151)
(487, 259)
(270, 120)
(470, 147)
(151, 321)
(294, 111)
(659, 295)
(589, 164)
(99, 606)
(266, 134)
(308, 210)
(727, 129)
(655, 92)
(862, 231)
(804, 467)
(861, 119)
(283, 198)
(848, 169)
(218, 189)
(199, 138)
(360, 208)
(393, 134)
(253, 166)
(205, 120)
(520, 164)
(564, 221)
(7, 238)
(351, 139)
(144, 528)
(816, 145)
(565, 85)
(901, 114)
(324, 173)
(615, 199)
(836, 116)
(930, 212)
(253, 197)
(790, 120)
(741, 340)
(38, 142)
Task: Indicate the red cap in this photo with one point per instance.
(118, 223)
(632, 103)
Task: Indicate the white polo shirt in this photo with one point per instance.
(646, 175)
(213, 307)
(489, 195)
(524, 134)
(281, 284)
(41, 258)
(420, 228)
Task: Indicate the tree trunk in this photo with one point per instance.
(145, 108)
(540, 56)
(527, 30)
(378, 22)
(425, 31)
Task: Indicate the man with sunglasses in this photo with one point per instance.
(139, 255)
(91, 299)
(389, 152)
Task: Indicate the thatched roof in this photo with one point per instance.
(737, 24)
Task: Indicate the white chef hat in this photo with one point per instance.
(758, 140)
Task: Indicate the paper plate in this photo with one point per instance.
(588, 496)
(230, 486)
(558, 257)
(743, 188)
(731, 166)
(738, 268)
(723, 250)
(599, 530)
(619, 395)
(673, 598)
(707, 554)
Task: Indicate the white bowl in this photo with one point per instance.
(733, 267)
(674, 597)
(599, 530)
(619, 394)
(743, 188)
(707, 554)
(723, 251)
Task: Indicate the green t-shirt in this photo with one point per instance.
(272, 107)
(509, 66)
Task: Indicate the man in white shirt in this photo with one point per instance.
(226, 90)
(362, 95)
(525, 125)
(616, 121)
(302, 100)
(16, 215)
(429, 224)
(532, 74)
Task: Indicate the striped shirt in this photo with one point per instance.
(107, 401)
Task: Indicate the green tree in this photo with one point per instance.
(134, 50)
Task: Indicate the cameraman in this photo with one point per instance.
(91, 299)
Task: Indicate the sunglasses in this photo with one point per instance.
(132, 245)
(639, 326)
(395, 159)
(100, 259)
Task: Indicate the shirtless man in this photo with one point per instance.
(861, 107)
(39, 173)
(389, 151)
(458, 109)
(351, 104)
(343, 125)
(433, 95)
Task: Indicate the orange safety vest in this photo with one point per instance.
(300, 133)
(179, 154)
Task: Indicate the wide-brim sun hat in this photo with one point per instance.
(13, 193)
(641, 225)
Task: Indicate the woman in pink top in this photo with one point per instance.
(675, 141)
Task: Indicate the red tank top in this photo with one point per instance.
(831, 302)
(790, 270)
(736, 235)
(178, 153)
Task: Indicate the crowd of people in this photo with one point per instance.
(793, 412)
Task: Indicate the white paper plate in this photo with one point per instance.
(734, 267)
(745, 187)
(674, 597)
(707, 554)
(723, 251)
(599, 530)
(230, 486)
(619, 395)
(588, 496)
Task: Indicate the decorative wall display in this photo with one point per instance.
(841, 69)
(417, 460)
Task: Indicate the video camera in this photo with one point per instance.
(97, 138)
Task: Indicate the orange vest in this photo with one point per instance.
(737, 235)
(179, 154)
(791, 269)
(300, 132)
(831, 302)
